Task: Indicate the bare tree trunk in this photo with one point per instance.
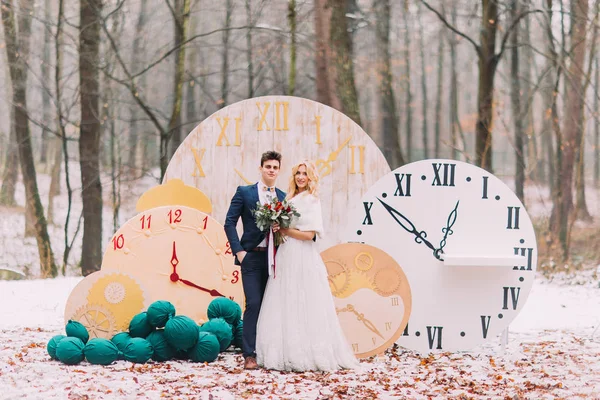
(292, 23)
(581, 209)
(324, 57)
(89, 140)
(225, 61)
(596, 123)
(425, 102)
(488, 61)
(534, 172)
(45, 69)
(54, 178)
(389, 120)
(439, 97)
(11, 168)
(574, 103)
(17, 49)
(136, 58)
(249, 56)
(515, 99)
(407, 87)
(182, 22)
(454, 115)
(548, 99)
(341, 45)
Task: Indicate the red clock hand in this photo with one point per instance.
(174, 261)
(213, 292)
(175, 276)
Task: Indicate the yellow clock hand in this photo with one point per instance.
(324, 166)
(361, 318)
(242, 176)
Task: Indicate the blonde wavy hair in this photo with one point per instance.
(313, 179)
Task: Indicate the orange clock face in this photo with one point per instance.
(371, 295)
(179, 254)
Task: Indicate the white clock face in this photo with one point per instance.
(223, 152)
(465, 242)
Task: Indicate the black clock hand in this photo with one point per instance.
(447, 231)
(420, 236)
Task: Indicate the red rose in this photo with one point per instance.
(288, 209)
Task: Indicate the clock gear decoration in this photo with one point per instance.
(98, 320)
(120, 294)
(371, 295)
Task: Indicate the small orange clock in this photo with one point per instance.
(371, 295)
(179, 254)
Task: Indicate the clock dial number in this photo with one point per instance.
(236, 277)
(434, 337)
(405, 333)
(395, 301)
(146, 221)
(282, 109)
(403, 185)
(525, 252)
(368, 220)
(513, 293)
(485, 188)
(223, 135)
(118, 242)
(318, 129)
(513, 217)
(228, 251)
(355, 347)
(388, 326)
(485, 325)
(361, 159)
(446, 170)
(205, 220)
(198, 156)
(174, 217)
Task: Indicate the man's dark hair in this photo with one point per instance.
(270, 155)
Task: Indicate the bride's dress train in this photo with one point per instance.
(298, 328)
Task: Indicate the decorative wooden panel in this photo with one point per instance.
(224, 151)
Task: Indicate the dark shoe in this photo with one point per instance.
(250, 363)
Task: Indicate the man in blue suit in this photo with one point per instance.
(251, 251)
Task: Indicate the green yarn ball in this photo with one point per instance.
(52, 343)
(181, 332)
(223, 307)
(120, 340)
(159, 313)
(100, 351)
(162, 349)
(70, 350)
(221, 329)
(206, 349)
(139, 326)
(138, 350)
(76, 329)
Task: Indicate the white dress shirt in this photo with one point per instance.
(265, 196)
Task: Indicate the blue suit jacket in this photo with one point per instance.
(242, 204)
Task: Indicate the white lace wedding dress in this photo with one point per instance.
(298, 328)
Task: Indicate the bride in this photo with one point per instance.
(298, 328)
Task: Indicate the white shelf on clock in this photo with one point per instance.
(458, 260)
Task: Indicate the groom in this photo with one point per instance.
(251, 251)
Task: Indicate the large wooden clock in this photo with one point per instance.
(224, 152)
(465, 243)
(179, 254)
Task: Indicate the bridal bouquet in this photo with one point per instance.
(280, 212)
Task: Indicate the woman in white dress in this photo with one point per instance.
(298, 328)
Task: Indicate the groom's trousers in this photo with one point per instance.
(254, 278)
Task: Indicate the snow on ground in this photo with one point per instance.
(552, 352)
